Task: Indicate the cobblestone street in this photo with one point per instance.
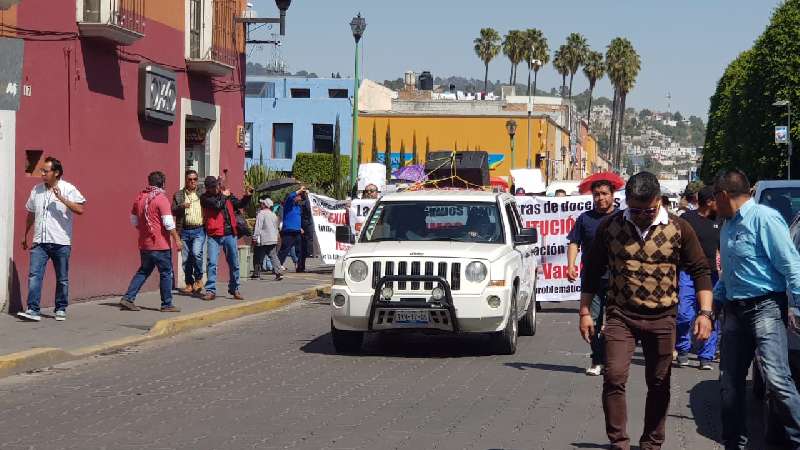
(272, 381)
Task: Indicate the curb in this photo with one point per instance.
(38, 358)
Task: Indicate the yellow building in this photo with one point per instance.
(435, 132)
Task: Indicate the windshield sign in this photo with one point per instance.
(435, 221)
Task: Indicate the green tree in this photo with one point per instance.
(594, 69)
(402, 154)
(535, 48)
(374, 157)
(513, 48)
(623, 65)
(487, 46)
(677, 116)
(414, 155)
(337, 151)
(561, 65)
(387, 153)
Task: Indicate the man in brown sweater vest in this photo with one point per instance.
(642, 248)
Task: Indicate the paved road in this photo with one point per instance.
(272, 381)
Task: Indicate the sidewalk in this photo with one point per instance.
(100, 326)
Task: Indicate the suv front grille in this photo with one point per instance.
(450, 271)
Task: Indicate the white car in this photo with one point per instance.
(453, 261)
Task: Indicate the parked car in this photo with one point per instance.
(445, 261)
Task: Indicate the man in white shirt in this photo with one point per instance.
(50, 209)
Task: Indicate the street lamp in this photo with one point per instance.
(788, 105)
(511, 127)
(282, 5)
(357, 26)
(535, 64)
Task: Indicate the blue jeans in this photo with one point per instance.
(228, 245)
(40, 253)
(150, 260)
(749, 326)
(687, 312)
(597, 309)
(194, 242)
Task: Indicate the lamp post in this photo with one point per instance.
(536, 64)
(788, 106)
(511, 127)
(357, 26)
(282, 5)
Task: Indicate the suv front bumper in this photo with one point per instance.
(367, 311)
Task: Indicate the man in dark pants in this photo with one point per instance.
(759, 263)
(307, 224)
(581, 237)
(642, 248)
(189, 222)
(703, 221)
(292, 231)
(152, 216)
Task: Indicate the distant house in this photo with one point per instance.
(289, 115)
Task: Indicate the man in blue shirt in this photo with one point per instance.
(292, 230)
(581, 237)
(759, 263)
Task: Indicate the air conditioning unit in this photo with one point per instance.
(6, 4)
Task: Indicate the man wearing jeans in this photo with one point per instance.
(219, 213)
(581, 237)
(50, 208)
(152, 216)
(759, 263)
(642, 248)
(189, 222)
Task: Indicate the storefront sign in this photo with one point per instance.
(158, 94)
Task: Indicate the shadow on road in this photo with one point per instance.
(411, 345)
(543, 366)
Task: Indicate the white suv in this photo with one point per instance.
(446, 260)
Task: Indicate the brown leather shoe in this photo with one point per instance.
(209, 296)
(128, 305)
(188, 290)
(198, 287)
(238, 296)
(172, 308)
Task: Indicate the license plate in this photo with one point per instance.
(413, 316)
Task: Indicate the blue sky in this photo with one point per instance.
(684, 44)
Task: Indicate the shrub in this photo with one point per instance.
(316, 169)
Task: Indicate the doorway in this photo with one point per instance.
(198, 147)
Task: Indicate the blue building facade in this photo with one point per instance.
(286, 116)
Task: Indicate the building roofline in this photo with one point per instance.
(522, 116)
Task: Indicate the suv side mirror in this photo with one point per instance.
(343, 234)
(527, 236)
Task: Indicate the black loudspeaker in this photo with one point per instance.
(472, 167)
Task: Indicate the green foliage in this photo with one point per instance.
(374, 157)
(741, 116)
(316, 171)
(387, 153)
(414, 154)
(256, 175)
(402, 153)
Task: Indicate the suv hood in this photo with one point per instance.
(427, 249)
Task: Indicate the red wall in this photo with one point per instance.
(84, 111)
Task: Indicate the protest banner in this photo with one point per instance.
(327, 214)
(554, 218)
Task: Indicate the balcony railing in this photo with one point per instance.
(213, 48)
(121, 21)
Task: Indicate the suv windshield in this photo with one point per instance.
(435, 221)
(785, 200)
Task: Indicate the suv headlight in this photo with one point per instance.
(475, 272)
(357, 271)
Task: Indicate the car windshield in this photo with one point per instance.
(785, 200)
(435, 221)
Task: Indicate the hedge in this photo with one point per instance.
(317, 169)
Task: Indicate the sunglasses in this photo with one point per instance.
(643, 211)
(370, 191)
(192, 179)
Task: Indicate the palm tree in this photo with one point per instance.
(561, 65)
(513, 48)
(487, 46)
(576, 55)
(594, 68)
(623, 65)
(536, 48)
